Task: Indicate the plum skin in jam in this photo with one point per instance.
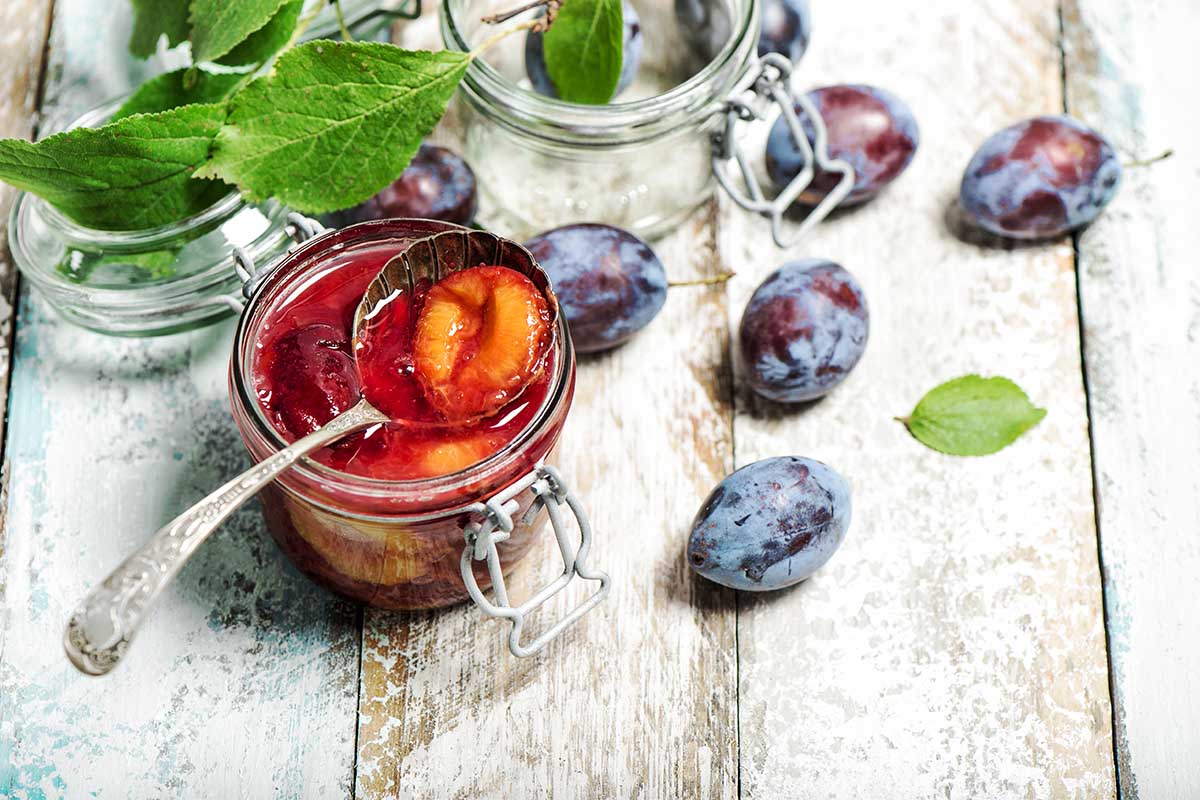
(386, 527)
(305, 372)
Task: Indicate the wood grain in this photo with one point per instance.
(243, 683)
(25, 25)
(954, 646)
(1130, 69)
(638, 699)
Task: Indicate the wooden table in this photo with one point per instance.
(1018, 626)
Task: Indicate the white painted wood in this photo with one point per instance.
(954, 646)
(1131, 71)
(638, 700)
(25, 26)
(243, 683)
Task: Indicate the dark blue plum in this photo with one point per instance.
(436, 184)
(535, 59)
(609, 283)
(868, 127)
(771, 524)
(785, 27)
(1040, 178)
(803, 330)
(704, 26)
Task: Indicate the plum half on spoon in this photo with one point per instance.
(422, 363)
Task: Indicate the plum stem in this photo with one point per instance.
(341, 20)
(505, 16)
(496, 38)
(710, 281)
(1145, 162)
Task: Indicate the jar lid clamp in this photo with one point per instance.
(770, 82)
(495, 525)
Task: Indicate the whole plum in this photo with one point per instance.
(771, 524)
(785, 28)
(436, 184)
(870, 128)
(704, 27)
(539, 76)
(1040, 178)
(803, 330)
(609, 283)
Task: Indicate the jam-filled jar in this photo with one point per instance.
(401, 521)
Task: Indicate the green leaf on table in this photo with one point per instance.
(268, 40)
(219, 26)
(973, 416)
(179, 88)
(153, 19)
(131, 174)
(584, 49)
(334, 122)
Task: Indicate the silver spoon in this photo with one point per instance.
(106, 620)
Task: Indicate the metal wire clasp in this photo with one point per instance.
(299, 227)
(495, 524)
(770, 82)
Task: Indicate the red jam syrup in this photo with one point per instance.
(461, 366)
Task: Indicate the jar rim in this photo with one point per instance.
(301, 260)
(700, 93)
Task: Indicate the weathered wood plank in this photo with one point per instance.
(638, 700)
(243, 683)
(25, 26)
(1131, 69)
(954, 646)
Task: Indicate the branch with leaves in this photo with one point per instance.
(326, 127)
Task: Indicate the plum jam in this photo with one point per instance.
(306, 372)
(379, 516)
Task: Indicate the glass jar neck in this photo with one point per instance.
(369, 497)
(693, 101)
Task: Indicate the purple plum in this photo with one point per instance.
(1040, 178)
(868, 127)
(803, 330)
(436, 184)
(609, 283)
(771, 524)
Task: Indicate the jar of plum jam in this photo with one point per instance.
(691, 83)
(395, 517)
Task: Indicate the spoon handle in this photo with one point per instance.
(99, 631)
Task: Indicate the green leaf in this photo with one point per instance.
(334, 123)
(179, 88)
(584, 49)
(131, 174)
(267, 40)
(218, 26)
(154, 18)
(114, 269)
(973, 416)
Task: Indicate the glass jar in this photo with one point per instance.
(415, 543)
(641, 162)
(366, 19)
(147, 282)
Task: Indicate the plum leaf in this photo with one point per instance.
(973, 416)
(218, 26)
(179, 88)
(584, 48)
(153, 19)
(333, 123)
(131, 174)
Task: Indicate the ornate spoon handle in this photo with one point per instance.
(99, 631)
